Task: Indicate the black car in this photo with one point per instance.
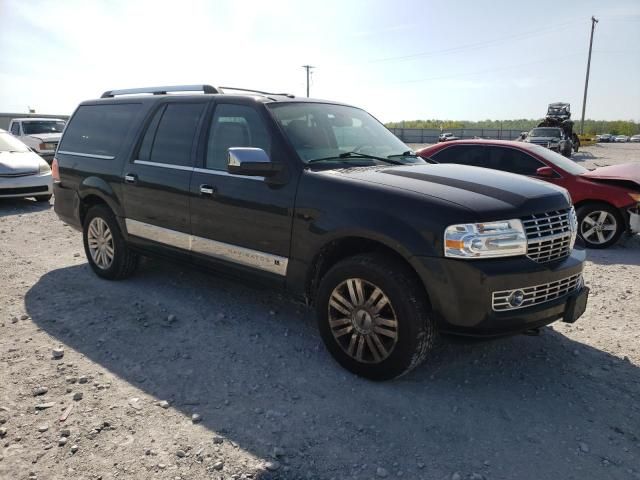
(551, 137)
(321, 199)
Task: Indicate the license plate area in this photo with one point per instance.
(576, 306)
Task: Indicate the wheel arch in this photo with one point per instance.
(95, 191)
(338, 249)
(589, 201)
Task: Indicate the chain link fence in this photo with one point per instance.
(430, 135)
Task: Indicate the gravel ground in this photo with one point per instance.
(178, 374)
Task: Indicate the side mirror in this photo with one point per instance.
(546, 172)
(252, 162)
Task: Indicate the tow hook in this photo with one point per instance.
(533, 332)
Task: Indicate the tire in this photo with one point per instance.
(603, 215)
(405, 344)
(101, 229)
(43, 198)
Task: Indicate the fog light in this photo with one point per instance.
(516, 298)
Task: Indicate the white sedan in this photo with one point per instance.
(22, 172)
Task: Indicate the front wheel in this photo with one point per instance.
(599, 225)
(373, 317)
(43, 198)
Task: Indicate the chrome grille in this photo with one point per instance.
(550, 235)
(535, 295)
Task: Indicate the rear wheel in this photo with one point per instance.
(599, 225)
(373, 317)
(107, 252)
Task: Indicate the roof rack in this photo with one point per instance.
(208, 89)
(249, 90)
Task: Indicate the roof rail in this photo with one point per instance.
(249, 90)
(161, 90)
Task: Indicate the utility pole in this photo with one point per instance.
(594, 20)
(308, 68)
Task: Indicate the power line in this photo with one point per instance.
(470, 46)
(489, 70)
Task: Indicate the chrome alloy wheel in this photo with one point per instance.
(363, 321)
(100, 243)
(598, 227)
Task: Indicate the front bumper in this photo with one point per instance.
(26, 186)
(461, 292)
(67, 205)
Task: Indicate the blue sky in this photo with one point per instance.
(399, 60)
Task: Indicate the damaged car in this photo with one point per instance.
(606, 198)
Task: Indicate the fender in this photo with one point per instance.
(100, 188)
(313, 239)
(392, 231)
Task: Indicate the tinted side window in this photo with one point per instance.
(234, 126)
(474, 155)
(514, 161)
(99, 129)
(144, 153)
(15, 129)
(173, 129)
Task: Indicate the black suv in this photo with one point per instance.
(321, 199)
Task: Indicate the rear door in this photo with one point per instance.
(474, 155)
(241, 221)
(156, 181)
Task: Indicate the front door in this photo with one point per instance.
(236, 220)
(156, 182)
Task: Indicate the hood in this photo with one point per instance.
(476, 189)
(626, 171)
(47, 137)
(23, 163)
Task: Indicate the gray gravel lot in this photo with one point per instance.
(142, 356)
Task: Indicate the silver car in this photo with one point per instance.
(22, 172)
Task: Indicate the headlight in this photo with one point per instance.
(635, 197)
(43, 168)
(483, 240)
(48, 146)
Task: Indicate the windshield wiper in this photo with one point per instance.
(408, 153)
(352, 155)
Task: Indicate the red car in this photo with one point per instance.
(602, 197)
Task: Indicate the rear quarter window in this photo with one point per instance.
(98, 130)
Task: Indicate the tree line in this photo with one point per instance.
(591, 127)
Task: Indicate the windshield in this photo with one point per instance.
(42, 126)
(545, 132)
(9, 143)
(564, 163)
(325, 131)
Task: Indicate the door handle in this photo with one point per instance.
(130, 178)
(207, 190)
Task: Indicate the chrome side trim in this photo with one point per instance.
(88, 155)
(159, 234)
(240, 255)
(224, 173)
(220, 250)
(164, 165)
